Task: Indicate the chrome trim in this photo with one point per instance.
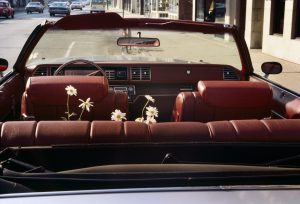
(277, 114)
(169, 189)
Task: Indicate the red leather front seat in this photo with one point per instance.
(45, 98)
(224, 100)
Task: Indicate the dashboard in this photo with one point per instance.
(162, 81)
(148, 73)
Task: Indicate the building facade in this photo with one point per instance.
(274, 26)
(270, 25)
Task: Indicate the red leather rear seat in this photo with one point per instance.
(60, 132)
(44, 133)
(255, 130)
(224, 100)
(45, 97)
(18, 133)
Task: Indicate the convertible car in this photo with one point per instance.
(98, 104)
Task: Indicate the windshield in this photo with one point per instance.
(34, 4)
(101, 45)
(58, 4)
(2, 4)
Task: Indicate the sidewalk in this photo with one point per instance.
(290, 76)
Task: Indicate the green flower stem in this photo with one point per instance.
(68, 109)
(81, 114)
(144, 109)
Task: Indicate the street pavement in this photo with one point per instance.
(14, 33)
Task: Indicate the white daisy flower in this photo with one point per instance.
(140, 120)
(152, 111)
(71, 91)
(150, 98)
(150, 120)
(86, 104)
(117, 115)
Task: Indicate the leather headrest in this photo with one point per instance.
(50, 90)
(235, 93)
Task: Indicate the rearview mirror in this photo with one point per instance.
(3, 64)
(137, 41)
(271, 68)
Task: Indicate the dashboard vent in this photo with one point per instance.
(230, 74)
(135, 73)
(110, 74)
(41, 71)
(140, 73)
(146, 73)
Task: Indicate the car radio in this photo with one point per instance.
(129, 89)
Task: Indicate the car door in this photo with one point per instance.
(286, 103)
(11, 89)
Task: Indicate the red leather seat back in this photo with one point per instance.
(45, 98)
(224, 100)
(45, 133)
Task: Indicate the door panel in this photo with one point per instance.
(286, 104)
(11, 89)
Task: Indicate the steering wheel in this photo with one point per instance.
(99, 69)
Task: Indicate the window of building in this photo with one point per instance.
(209, 10)
(277, 16)
(173, 6)
(154, 5)
(163, 5)
(147, 6)
(296, 20)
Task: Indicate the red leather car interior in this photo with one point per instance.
(45, 97)
(224, 100)
(292, 109)
(44, 133)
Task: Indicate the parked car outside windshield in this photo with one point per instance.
(6, 10)
(76, 5)
(59, 8)
(34, 7)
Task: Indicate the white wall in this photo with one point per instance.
(281, 46)
(248, 23)
(254, 23)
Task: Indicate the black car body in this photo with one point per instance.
(34, 7)
(59, 8)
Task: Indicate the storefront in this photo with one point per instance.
(210, 10)
(162, 8)
(127, 5)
